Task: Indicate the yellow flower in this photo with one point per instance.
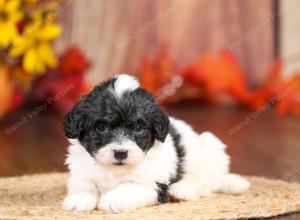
(30, 2)
(10, 15)
(35, 44)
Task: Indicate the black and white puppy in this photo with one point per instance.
(125, 152)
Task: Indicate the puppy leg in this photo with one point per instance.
(128, 196)
(82, 195)
(189, 189)
(233, 184)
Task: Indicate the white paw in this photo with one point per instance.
(116, 201)
(182, 194)
(189, 190)
(234, 184)
(80, 202)
(204, 191)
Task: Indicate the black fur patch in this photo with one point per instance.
(162, 193)
(179, 152)
(118, 116)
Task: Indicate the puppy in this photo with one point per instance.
(125, 153)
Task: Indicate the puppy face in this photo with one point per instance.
(117, 123)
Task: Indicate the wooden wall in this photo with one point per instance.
(290, 35)
(116, 34)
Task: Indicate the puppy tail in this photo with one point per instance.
(233, 184)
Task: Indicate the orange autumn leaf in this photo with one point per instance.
(72, 62)
(85, 89)
(219, 73)
(6, 90)
(214, 75)
(272, 86)
(289, 98)
(156, 74)
(148, 77)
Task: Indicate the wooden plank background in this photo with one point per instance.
(290, 35)
(116, 34)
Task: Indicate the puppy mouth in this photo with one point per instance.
(119, 163)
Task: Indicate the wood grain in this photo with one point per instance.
(116, 34)
(289, 35)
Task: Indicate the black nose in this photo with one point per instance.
(120, 154)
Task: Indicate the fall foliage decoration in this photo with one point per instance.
(155, 74)
(60, 87)
(63, 86)
(270, 87)
(217, 77)
(288, 101)
(217, 74)
(6, 90)
(29, 69)
(27, 30)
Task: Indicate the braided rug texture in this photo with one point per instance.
(40, 196)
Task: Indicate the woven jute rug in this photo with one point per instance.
(39, 197)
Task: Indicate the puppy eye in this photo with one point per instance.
(101, 127)
(138, 129)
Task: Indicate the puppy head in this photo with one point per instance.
(117, 123)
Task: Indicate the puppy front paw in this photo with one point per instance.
(80, 202)
(234, 184)
(111, 201)
(116, 201)
(189, 190)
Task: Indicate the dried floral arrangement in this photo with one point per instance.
(28, 64)
(219, 78)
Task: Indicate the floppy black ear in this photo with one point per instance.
(161, 125)
(73, 123)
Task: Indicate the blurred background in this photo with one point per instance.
(228, 66)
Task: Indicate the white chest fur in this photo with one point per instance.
(158, 166)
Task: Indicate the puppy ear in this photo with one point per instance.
(161, 125)
(73, 123)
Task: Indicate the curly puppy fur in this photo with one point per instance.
(125, 153)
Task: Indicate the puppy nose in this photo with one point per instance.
(120, 154)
